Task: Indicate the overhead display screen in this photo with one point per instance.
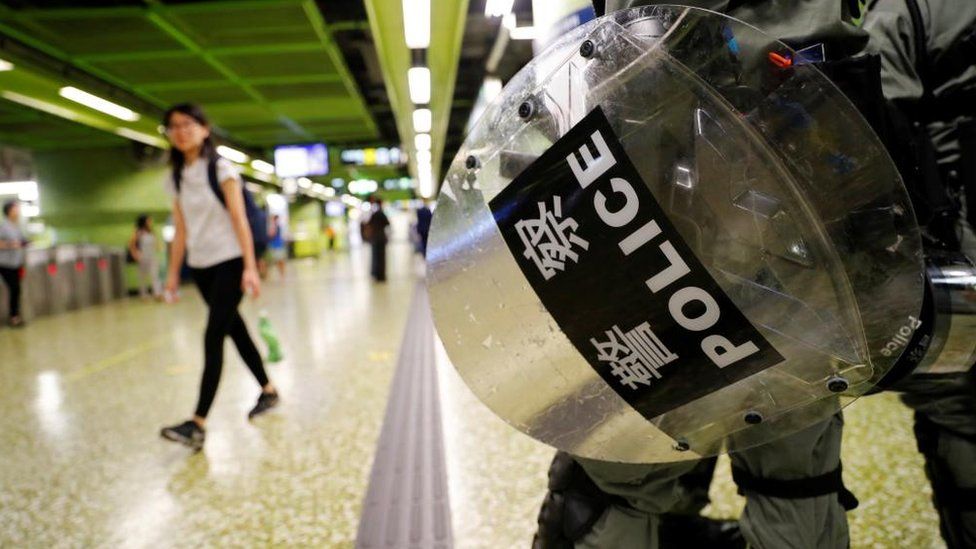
(301, 160)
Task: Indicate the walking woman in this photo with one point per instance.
(213, 231)
(142, 247)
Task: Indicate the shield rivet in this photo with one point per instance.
(587, 48)
(837, 384)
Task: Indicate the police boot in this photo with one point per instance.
(680, 531)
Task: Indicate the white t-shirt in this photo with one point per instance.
(210, 236)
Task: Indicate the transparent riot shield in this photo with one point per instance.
(671, 237)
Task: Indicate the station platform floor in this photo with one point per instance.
(85, 393)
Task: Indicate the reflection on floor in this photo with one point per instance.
(85, 393)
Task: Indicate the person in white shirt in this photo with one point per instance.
(142, 248)
(12, 244)
(212, 231)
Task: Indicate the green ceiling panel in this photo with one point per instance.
(203, 94)
(104, 34)
(283, 136)
(139, 72)
(258, 65)
(293, 91)
(316, 107)
(226, 114)
(24, 127)
(244, 26)
(267, 65)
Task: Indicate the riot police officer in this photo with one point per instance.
(795, 496)
(928, 54)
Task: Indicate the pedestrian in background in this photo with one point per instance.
(12, 244)
(424, 218)
(276, 244)
(143, 247)
(376, 228)
(212, 228)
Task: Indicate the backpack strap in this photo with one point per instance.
(211, 177)
(177, 178)
(214, 182)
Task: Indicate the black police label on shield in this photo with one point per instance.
(618, 278)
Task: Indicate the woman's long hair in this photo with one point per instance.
(208, 150)
(142, 221)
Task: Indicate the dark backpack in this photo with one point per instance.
(257, 218)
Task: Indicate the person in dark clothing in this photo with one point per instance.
(218, 239)
(376, 228)
(12, 258)
(424, 217)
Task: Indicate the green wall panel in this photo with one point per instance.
(94, 195)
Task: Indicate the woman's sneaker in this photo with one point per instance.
(266, 402)
(187, 433)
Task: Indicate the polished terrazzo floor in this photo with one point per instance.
(85, 393)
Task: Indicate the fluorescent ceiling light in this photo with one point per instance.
(419, 80)
(421, 120)
(99, 104)
(421, 141)
(276, 202)
(6, 65)
(39, 105)
(423, 157)
(492, 87)
(233, 155)
(363, 186)
(498, 8)
(262, 166)
(289, 185)
(416, 23)
(425, 180)
(25, 190)
(150, 140)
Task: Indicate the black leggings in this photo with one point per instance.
(220, 286)
(12, 278)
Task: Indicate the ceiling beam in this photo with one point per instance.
(96, 12)
(77, 13)
(447, 25)
(321, 29)
(323, 78)
(296, 47)
(348, 26)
